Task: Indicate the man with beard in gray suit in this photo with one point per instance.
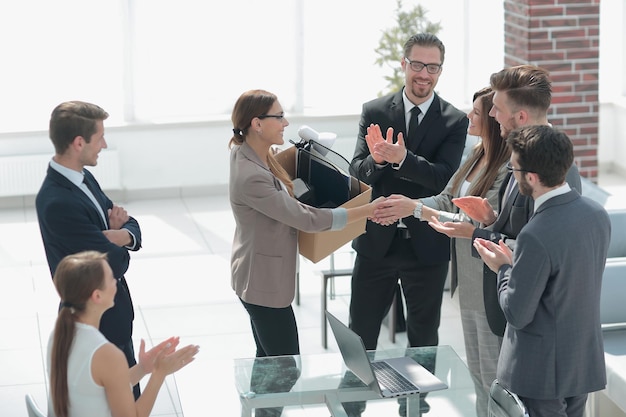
(552, 353)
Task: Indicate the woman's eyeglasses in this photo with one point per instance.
(279, 117)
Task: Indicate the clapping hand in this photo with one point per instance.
(463, 230)
(393, 153)
(477, 208)
(384, 150)
(373, 137)
(170, 362)
(148, 359)
(494, 255)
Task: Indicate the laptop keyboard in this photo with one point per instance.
(391, 379)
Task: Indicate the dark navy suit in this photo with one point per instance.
(70, 223)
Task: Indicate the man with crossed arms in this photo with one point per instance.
(75, 215)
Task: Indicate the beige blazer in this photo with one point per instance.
(267, 220)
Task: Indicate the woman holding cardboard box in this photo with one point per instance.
(268, 218)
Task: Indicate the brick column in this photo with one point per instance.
(562, 36)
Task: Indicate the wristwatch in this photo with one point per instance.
(417, 211)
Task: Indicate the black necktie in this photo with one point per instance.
(90, 188)
(415, 112)
(99, 202)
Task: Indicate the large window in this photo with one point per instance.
(58, 50)
(192, 59)
(163, 60)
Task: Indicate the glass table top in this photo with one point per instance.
(310, 379)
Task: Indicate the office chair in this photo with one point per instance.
(31, 407)
(503, 403)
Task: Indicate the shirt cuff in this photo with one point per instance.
(340, 218)
(134, 240)
(398, 166)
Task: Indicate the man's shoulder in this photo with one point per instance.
(54, 190)
(448, 108)
(570, 206)
(49, 188)
(594, 207)
(385, 101)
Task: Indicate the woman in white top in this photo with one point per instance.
(89, 376)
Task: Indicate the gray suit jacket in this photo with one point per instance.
(553, 346)
(265, 245)
(512, 216)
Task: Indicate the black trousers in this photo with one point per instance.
(274, 330)
(275, 334)
(129, 352)
(373, 286)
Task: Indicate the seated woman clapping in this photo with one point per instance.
(88, 374)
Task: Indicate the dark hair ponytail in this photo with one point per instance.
(76, 278)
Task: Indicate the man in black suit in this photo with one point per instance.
(417, 164)
(75, 215)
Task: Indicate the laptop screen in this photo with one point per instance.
(353, 352)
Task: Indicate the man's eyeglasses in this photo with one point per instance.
(511, 168)
(280, 117)
(417, 66)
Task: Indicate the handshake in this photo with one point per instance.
(388, 210)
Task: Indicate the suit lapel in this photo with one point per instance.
(91, 184)
(505, 210)
(397, 118)
(64, 182)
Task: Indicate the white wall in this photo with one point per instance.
(170, 159)
(612, 130)
(612, 137)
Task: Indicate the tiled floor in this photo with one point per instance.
(181, 286)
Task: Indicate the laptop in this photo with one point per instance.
(393, 377)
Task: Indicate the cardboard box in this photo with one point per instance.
(317, 246)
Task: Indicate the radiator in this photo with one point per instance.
(22, 175)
